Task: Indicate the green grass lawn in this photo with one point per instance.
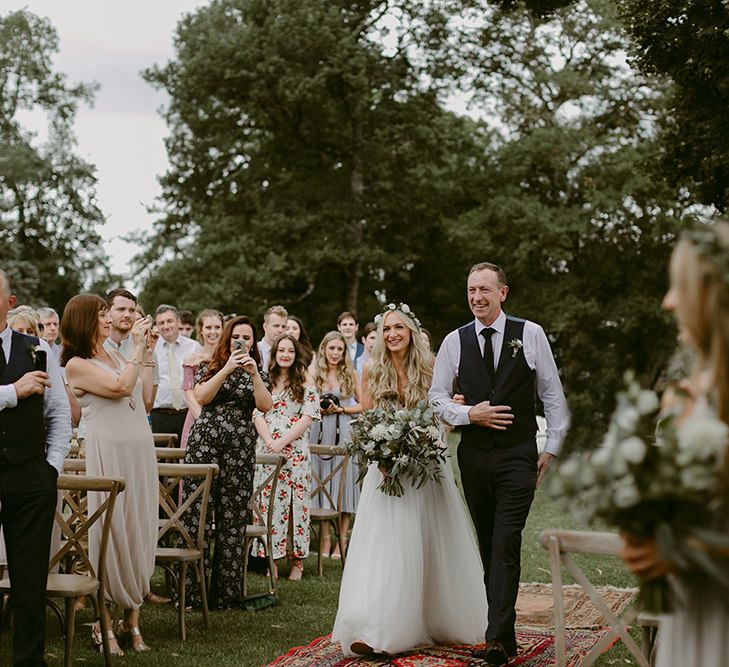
(306, 611)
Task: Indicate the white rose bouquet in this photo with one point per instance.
(406, 444)
(653, 476)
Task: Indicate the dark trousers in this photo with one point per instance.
(499, 485)
(168, 422)
(27, 506)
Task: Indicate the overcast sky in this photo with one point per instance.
(122, 134)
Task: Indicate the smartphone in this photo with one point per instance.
(40, 362)
(240, 344)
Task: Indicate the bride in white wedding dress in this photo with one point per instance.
(413, 575)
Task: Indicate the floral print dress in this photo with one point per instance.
(224, 434)
(290, 521)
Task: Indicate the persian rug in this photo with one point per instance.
(535, 605)
(536, 649)
(534, 634)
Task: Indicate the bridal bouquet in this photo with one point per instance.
(655, 477)
(406, 444)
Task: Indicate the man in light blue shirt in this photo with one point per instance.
(35, 435)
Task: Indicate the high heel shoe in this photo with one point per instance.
(133, 636)
(98, 641)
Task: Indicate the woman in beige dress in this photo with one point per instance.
(118, 444)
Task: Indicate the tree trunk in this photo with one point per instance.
(356, 184)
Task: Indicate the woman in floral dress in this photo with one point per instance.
(228, 387)
(285, 430)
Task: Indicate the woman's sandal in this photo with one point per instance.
(133, 635)
(297, 570)
(98, 641)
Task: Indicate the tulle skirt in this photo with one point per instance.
(413, 575)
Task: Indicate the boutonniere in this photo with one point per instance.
(515, 344)
(33, 351)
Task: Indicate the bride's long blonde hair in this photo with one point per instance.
(382, 375)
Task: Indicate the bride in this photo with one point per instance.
(413, 575)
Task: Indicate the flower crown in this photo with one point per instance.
(709, 247)
(403, 308)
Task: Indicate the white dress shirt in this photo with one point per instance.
(538, 356)
(180, 349)
(56, 411)
(126, 350)
(264, 349)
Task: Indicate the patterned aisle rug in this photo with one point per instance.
(536, 649)
(534, 635)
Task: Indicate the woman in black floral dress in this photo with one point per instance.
(228, 387)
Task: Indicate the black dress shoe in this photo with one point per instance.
(494, 653)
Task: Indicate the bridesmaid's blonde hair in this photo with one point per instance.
(700, 276)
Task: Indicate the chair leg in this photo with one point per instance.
(200, 572)
(342, 547)
(70, 631)
(181, 597)
(320, 560)
(272, 571)
(104, 628)
(246, 547)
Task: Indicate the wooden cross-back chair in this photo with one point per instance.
(561, 544)
(75, 526)
(172, 511)
(260, 528)
(169, 454)
(330, 503)
(165, 439)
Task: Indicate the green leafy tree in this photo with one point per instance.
(48, 211)
(309, 159)
(569, 202)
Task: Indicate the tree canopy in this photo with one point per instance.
(48, 211)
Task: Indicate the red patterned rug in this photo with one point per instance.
(536, 649)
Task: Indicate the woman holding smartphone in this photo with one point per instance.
(228, 387)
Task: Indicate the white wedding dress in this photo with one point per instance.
(413, 575)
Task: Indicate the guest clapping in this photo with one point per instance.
(109, 389)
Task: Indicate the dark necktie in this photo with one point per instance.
(488, 353)
(3, 361)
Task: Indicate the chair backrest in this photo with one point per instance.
(169, 454)
(320, 486)
(561, 544)
(75, 523)
(173, 509)
(165, 439)
(275, 461)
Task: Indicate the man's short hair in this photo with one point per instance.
(484, 266)
(275, 310)
(368, 329)
(186, 317)
(5, 284)
(46, 312)
(347, 314)
(163, 308)
(119, 291)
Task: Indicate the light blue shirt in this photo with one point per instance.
(56, 411)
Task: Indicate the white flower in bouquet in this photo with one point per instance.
(702, 437)
(602, 457)
(433, 431)
(626, 494)
(633, 449)
(627, 418)
(697, 478)
(378, 432)
(648, 402)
